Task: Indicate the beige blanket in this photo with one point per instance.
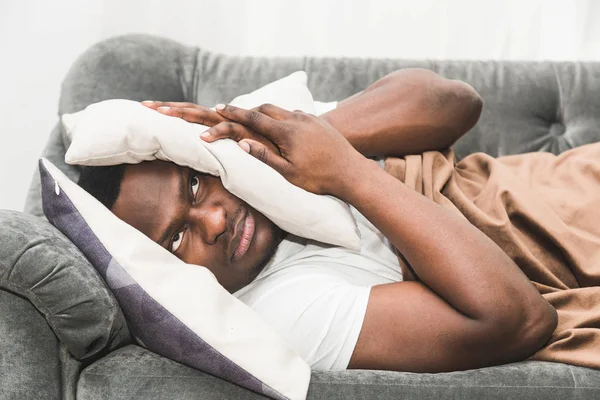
(544, 212)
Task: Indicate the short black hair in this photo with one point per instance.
(104, 183)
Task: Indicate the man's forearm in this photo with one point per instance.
(407, 112)
(450, 256)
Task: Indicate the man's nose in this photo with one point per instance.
(210, 221)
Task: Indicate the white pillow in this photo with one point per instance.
(123, 131)
(175, 309)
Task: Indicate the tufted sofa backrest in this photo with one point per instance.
(541, 106)
(528, 106)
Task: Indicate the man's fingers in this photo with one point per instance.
(254, 120)
(264, 154)
(273, 111)
(188, 111)
(237, 132)
(178, 104)
(151, 104)
(226, 130)
(197, 114)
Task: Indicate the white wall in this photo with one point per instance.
(40, 39)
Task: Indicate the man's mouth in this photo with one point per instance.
(244, 233)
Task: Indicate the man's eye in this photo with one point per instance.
(176, 242)
(195, 184)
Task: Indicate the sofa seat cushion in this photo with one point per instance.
(136, 373)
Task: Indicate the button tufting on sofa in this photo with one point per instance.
(557, 129)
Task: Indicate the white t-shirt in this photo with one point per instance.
(315, 295)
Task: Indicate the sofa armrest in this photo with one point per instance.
(41, 265)
(29, 361)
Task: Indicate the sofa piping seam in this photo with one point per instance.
(370, 384)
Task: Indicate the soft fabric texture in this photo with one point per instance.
(315, 296)
(544, 212)
(122, 131)
(175, 309)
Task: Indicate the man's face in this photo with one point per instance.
(192, 215)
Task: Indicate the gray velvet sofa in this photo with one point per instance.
(62, 335)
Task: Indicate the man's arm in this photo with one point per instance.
(407, 112)
(473, 307)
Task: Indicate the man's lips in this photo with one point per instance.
(244, 233)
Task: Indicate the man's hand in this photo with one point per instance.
(196, 114)
(309, 152)
(305, 149)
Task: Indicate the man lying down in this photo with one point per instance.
(500, 257)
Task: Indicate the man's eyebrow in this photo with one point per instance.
(181, 197)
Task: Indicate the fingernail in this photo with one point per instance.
(205, 134)
(245, 146)
(220, 106)
(147, 101)
(163, 108)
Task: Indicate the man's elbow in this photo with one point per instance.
(473, 104)
(524, 336)
(539, 327)
(466, 105)
(470, 103)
